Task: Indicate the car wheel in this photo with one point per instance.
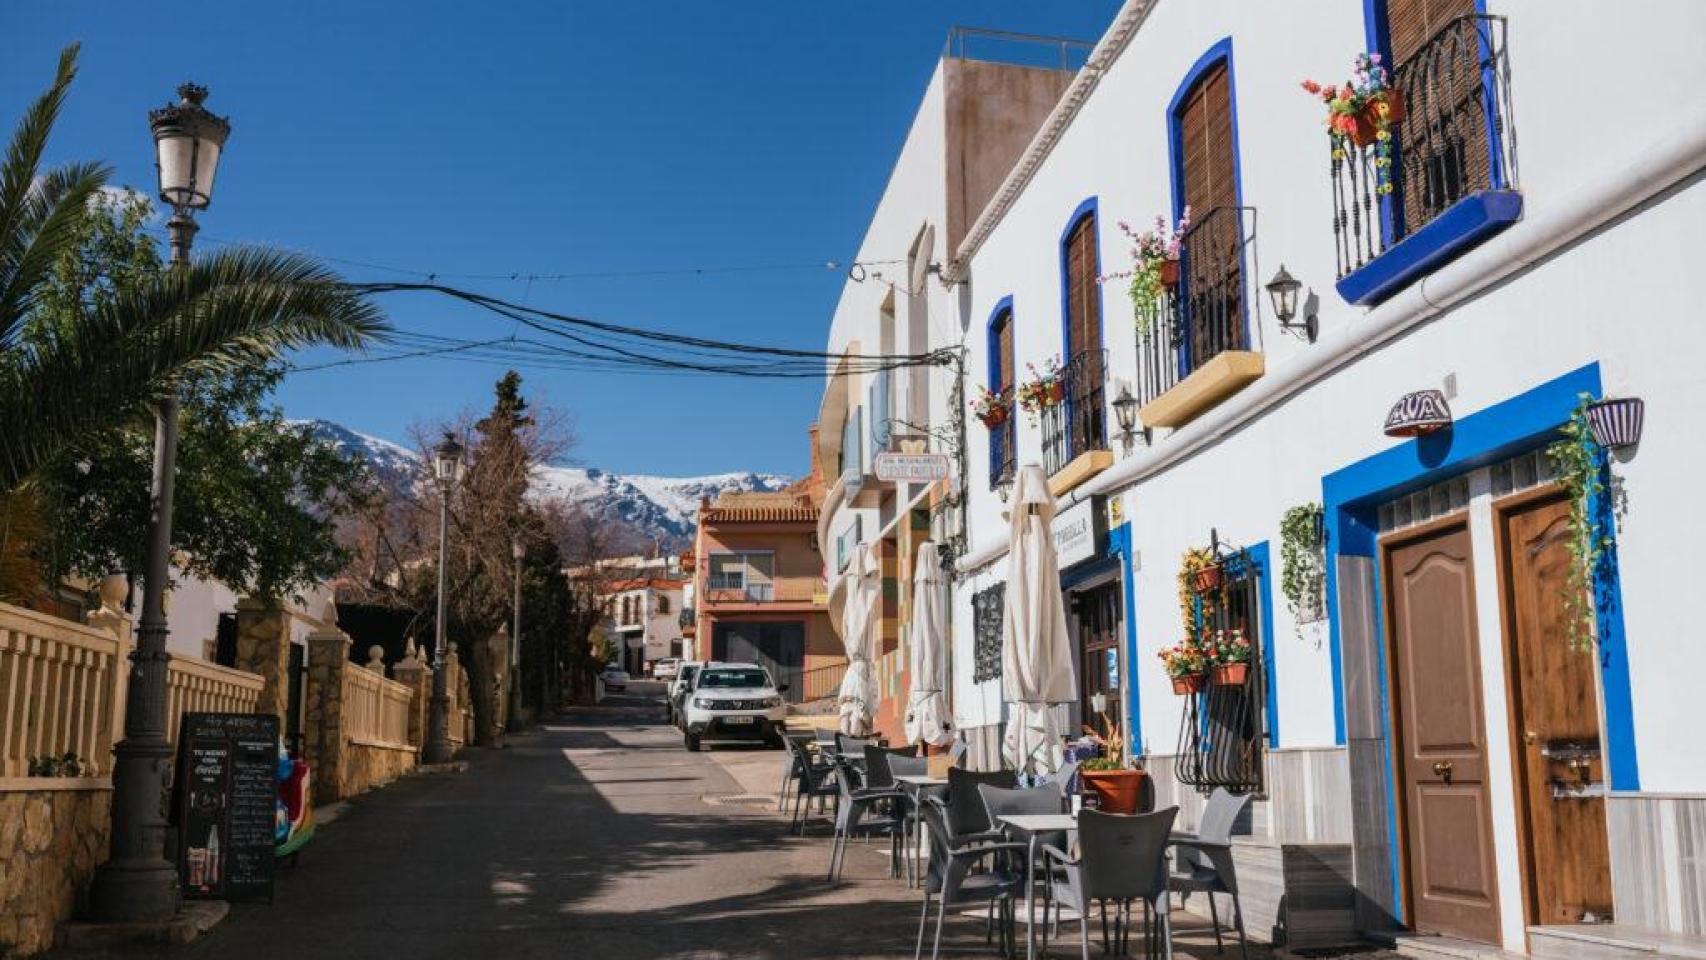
(692, 743)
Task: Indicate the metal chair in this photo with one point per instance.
(816, 781)
(864, 811)
(951, 881)
(1204, 863)
(1122, 858)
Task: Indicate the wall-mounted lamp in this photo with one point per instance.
(1125, 412)
(1284, 288)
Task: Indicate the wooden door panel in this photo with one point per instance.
(1556, 706)
(1452, 878)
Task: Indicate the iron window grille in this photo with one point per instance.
(1457, 138)
(988, 611)
(1222, 735)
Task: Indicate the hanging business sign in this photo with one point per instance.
(227, 805)
(912, 467)
(1080, 532)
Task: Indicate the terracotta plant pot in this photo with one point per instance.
(1169, 273)
(1209, 578)
(1188, 684)
(1231, 674)
(1116, 791)
(1365, 126)
(995, 418)
(1056, 392)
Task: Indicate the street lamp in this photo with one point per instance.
(519, 551)
(1283, 289)
(447, 466)
(138, 883)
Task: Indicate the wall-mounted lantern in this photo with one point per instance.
(1125, 413)
(1418, 414)
(1283, 288)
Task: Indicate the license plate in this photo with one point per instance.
(739, 721)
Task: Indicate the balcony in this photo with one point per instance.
(1453, 166)
(795, 590)
(1075, 431)
(1194, 344)
(1003, 453)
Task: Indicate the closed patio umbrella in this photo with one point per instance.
(858, 696)
(1036, 652)
(927, 717)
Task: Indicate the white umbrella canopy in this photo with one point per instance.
(1036, 652)
(858, 696)
(927, 717)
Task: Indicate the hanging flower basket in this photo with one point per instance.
(1209, 579)
(1169, 271)
(1617, 423)
(1188, 684)
(1376, 115)
(1116, 791)
(995, 417)
(1056, 392)
(1231, 674)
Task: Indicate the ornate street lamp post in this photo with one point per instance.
(138, 883)
(447, 465)
(519, 551)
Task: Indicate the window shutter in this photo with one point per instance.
(1083, 320)
(1205, 144)
(881, 428)
(1004, 352)
(1411, 23)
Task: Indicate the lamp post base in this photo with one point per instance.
(437, 748)
(134, 891)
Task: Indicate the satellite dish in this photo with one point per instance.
(920, 266)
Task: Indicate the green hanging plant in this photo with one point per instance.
(1303, 561)
(1576, 459)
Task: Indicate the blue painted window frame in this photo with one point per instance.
(1003, 311)
(1086, 210)
(1214, 56)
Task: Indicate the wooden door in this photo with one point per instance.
(1440, 733)
(1555, 707)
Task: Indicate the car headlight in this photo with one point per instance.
(772, 701)
(702, 703)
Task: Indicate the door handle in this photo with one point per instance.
(1442, 768)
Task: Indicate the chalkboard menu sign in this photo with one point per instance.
(227, 803)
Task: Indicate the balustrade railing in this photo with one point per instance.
(1456, 138)
(197, 686)
(1210, 310)
(375, 710)
(1079, 423)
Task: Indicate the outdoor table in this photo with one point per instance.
(914, 785)
(1031, 826)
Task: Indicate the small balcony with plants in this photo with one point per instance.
(1194, 310)
(994, 409)
(1422, 157)
(1069, 403)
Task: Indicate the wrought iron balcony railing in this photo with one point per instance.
(1003, 453)
(1209, 311)
(1457, 138)
(1079, 423)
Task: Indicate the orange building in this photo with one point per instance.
(758, 589)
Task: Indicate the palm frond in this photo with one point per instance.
(23, 160)
(46, 229)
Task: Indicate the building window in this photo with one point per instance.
(988, 609)
(1004, 439)
(848, 541)
(749, 573)
(852, 437)
(663, 603)
(1225, 729)
(1080, 424)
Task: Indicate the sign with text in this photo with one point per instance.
(1080, 532)
(912, 467)
(227, 805)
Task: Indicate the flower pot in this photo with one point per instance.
(1617, 423)
(1188, 684)
(995, 418)
(1209, 578)
(1116, 791)
(1169, 273)
(1056, 393)
(1231, 674)
(1363, 128)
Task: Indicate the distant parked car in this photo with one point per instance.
(666, 668)
(734, 701)
(615, 678)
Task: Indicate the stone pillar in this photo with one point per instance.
(323, 727)
(418, 676)
(263, 647)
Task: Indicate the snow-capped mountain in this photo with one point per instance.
(655, 509)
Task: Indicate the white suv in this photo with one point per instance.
(733, 701)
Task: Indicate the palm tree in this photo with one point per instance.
(237, 306)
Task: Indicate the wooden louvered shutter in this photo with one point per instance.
(1083, 319)
(1442, 144)
(1411, 23)
(1004, 352)
(1205, 135)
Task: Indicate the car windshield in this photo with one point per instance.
(734, 678)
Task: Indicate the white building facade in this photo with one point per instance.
(1415, 721)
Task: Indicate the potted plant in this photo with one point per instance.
(1154, 265)
(1109, 777)
(1187, 665)
(1045, 389)
(993, 408)
(1362, 112)
(1230, 651)
(1202, 570)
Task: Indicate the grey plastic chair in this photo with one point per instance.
(1204, 864)
(864, 812)
(952, 882)
(1121, 858)
(967, 817)
(1066, 780)
(795, 744)
(816, 782)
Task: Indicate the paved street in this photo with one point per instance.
(598, 836)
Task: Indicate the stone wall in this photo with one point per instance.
(51, 840)
(368, 766)
(343, 764)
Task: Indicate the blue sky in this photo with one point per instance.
(547, 138)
